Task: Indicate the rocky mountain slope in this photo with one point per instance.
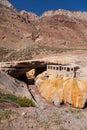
(71, 14)
(15, 31)
(6, 3)
(29, 15)
(24, 35)
(65, 28)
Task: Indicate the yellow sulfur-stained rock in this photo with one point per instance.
(75, 92)
(67, 90)
(51, 89)
(31, 73)
(41, 78)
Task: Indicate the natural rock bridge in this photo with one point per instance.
(18, 69)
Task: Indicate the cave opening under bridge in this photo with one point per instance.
(18, 69)
(23, 77)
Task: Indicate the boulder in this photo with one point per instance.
(30, 74)
(10, 85)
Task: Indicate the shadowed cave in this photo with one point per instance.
(23, 76)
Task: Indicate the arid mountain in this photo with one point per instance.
(15, 31)
(24, 35)
(63, 28)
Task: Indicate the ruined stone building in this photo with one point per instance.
(65, 70)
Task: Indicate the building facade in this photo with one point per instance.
(66, 70)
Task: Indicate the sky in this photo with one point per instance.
(40, 6)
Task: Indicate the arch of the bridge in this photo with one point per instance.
(17, 69)
(22, 76)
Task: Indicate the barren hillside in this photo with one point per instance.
(15, 31)
(24, 35)
(62, 31)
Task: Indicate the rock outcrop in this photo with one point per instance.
(10, 85)
(64, 90)
(29, 16)
(30, 74)
(6, 3)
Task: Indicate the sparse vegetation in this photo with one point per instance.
(8, 97)
(4, 114)
(3, 53)
(74, 110)
(25, 102)
(36, 50)
(21, 102)
(62, 128)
